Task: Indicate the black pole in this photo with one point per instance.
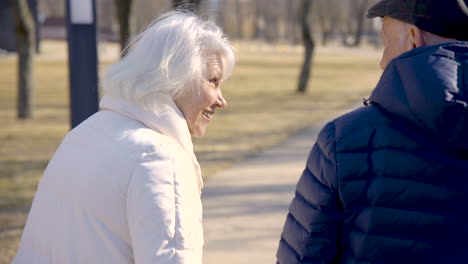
(82, 61)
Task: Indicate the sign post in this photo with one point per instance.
(82, 59)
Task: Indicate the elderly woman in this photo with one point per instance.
(124, 186)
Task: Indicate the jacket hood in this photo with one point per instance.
(168, 120)
(428, 87)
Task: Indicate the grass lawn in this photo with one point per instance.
(263, 109)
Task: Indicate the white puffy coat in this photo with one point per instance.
(123, 187)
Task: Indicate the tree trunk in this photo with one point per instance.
(354, 35)
(124, 11)
(239, 20)
(360, 13)
(293, 24)
(325, 36)
(321, 14)
(271, 26)
(327, 20)
(25, 38)
(259, 29)
(308, 45)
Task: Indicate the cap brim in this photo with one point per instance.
(380, 9)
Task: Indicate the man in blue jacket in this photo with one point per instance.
(388, 183)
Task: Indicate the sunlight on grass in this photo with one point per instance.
(263, 109)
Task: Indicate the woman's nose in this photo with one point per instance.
(221, 102)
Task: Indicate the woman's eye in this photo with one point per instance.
(214, 80)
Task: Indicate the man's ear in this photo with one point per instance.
(415, 37)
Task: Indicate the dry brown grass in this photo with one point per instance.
(263, 109)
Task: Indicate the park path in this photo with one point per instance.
(246, 205)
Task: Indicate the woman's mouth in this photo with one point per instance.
(207, 114)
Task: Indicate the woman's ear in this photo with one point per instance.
(415, 37)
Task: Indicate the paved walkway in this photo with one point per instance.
(245, 206)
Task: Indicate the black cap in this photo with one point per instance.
(445, 18)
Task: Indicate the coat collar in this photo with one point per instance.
(427, 86)
(168, 120)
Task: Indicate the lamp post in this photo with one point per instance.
(82, 59)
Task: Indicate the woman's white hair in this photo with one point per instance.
(168, 58)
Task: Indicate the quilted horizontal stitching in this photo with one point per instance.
(392, 236)
(414, 210)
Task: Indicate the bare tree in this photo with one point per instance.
(26, 42)
(357, 10)
(124, 11)
(360, 8)
(309, 46)
(328, 14)
(272, 18)
(144, 12)
(107, 17)
(239, 18)
(259, 28)
(292, 33)
(52, 8)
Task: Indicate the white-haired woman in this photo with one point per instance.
(124, 186)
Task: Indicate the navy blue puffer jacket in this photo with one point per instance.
(388, 183)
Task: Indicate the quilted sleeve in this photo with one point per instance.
(154, 214)
(311, 233)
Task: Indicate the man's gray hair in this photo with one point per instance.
(168, 58)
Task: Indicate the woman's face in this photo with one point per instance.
(199, 105)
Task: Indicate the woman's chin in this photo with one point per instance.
(197, 133)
